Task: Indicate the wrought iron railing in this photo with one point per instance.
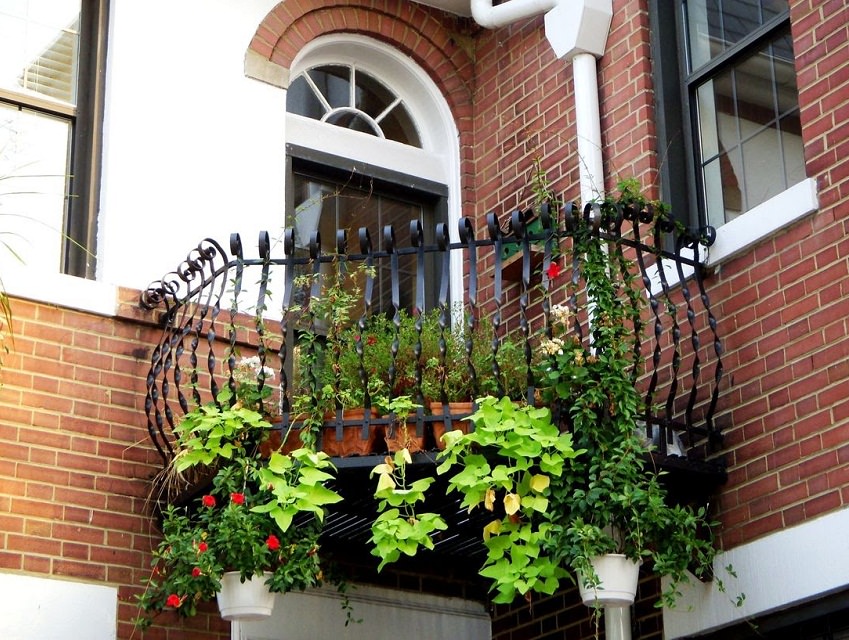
(206, 321)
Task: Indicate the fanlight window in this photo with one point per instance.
(347, 97)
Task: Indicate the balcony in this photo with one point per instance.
(220, 306)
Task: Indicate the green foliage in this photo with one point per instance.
(507, 465)
(218, 431)
(608, 501)
(448, 373)
(298, 485)
(399, 528)
(261, 515)
(226, 530)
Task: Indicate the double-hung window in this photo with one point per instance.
(52, 54)
(728, 107)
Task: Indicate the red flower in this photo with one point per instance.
(208, 501)
(273, 543)
(202, 546)
(553, 271)
(196, 572)
(173, 601)
(371, 341)
(237, 498)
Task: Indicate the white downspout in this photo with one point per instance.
(577, 31)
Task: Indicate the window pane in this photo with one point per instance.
(33, 179)
(301, 99)
(324, 93)
(334, 84)
(328, 206)
(39, 46)
(749, 111)
(714, 26)
(762, 168)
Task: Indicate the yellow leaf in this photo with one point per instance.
(492, 529)
(385, 481)
(539, 483)
(406, 453)
(489, 499)
(512, 502)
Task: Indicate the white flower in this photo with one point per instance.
(560, 314)
(252, 365)
(552, 347)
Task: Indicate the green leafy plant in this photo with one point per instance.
(262, 514)
(227, 529)
(400, 527)
(506, 466)
(609, 501)
(447, 376)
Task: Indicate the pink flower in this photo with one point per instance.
(196, 572)
(272, 542)
(208, 501)
(553, 271)
(237, 498)
(173, 601)
(202, 547)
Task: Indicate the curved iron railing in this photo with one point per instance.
(196, 354)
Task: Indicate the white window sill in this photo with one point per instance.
(764, 220)
(746, 231)
(59, 289)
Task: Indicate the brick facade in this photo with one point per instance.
(76, 461)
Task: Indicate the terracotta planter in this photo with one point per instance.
(352, 442)
(399, 436)
(248, 600)
(618, 576)
(454, 409)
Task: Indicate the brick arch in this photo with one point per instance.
(432, 39)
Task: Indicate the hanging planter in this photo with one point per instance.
(617, 581)
(248, 600)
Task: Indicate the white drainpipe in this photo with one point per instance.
(577, 31)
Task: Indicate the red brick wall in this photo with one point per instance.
(75, 465)
(783, 316)
(75, 457)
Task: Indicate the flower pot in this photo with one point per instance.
(352, 443)
(399, 436)
(248, 600)
(457, 411)
(617, 581)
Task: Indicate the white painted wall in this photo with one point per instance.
(46, 609)
(385, 613)
(775, 572)
(191, 146)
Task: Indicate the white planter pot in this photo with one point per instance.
(248, 600)
(617, 587)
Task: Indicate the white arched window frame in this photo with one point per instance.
(438, 159)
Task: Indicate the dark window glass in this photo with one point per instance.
(350, 98)
(744, 108)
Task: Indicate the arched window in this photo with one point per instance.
(370, 142)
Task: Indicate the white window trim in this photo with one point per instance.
(759, 223)
(775, 572)
(59, 289)
(744, 232)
